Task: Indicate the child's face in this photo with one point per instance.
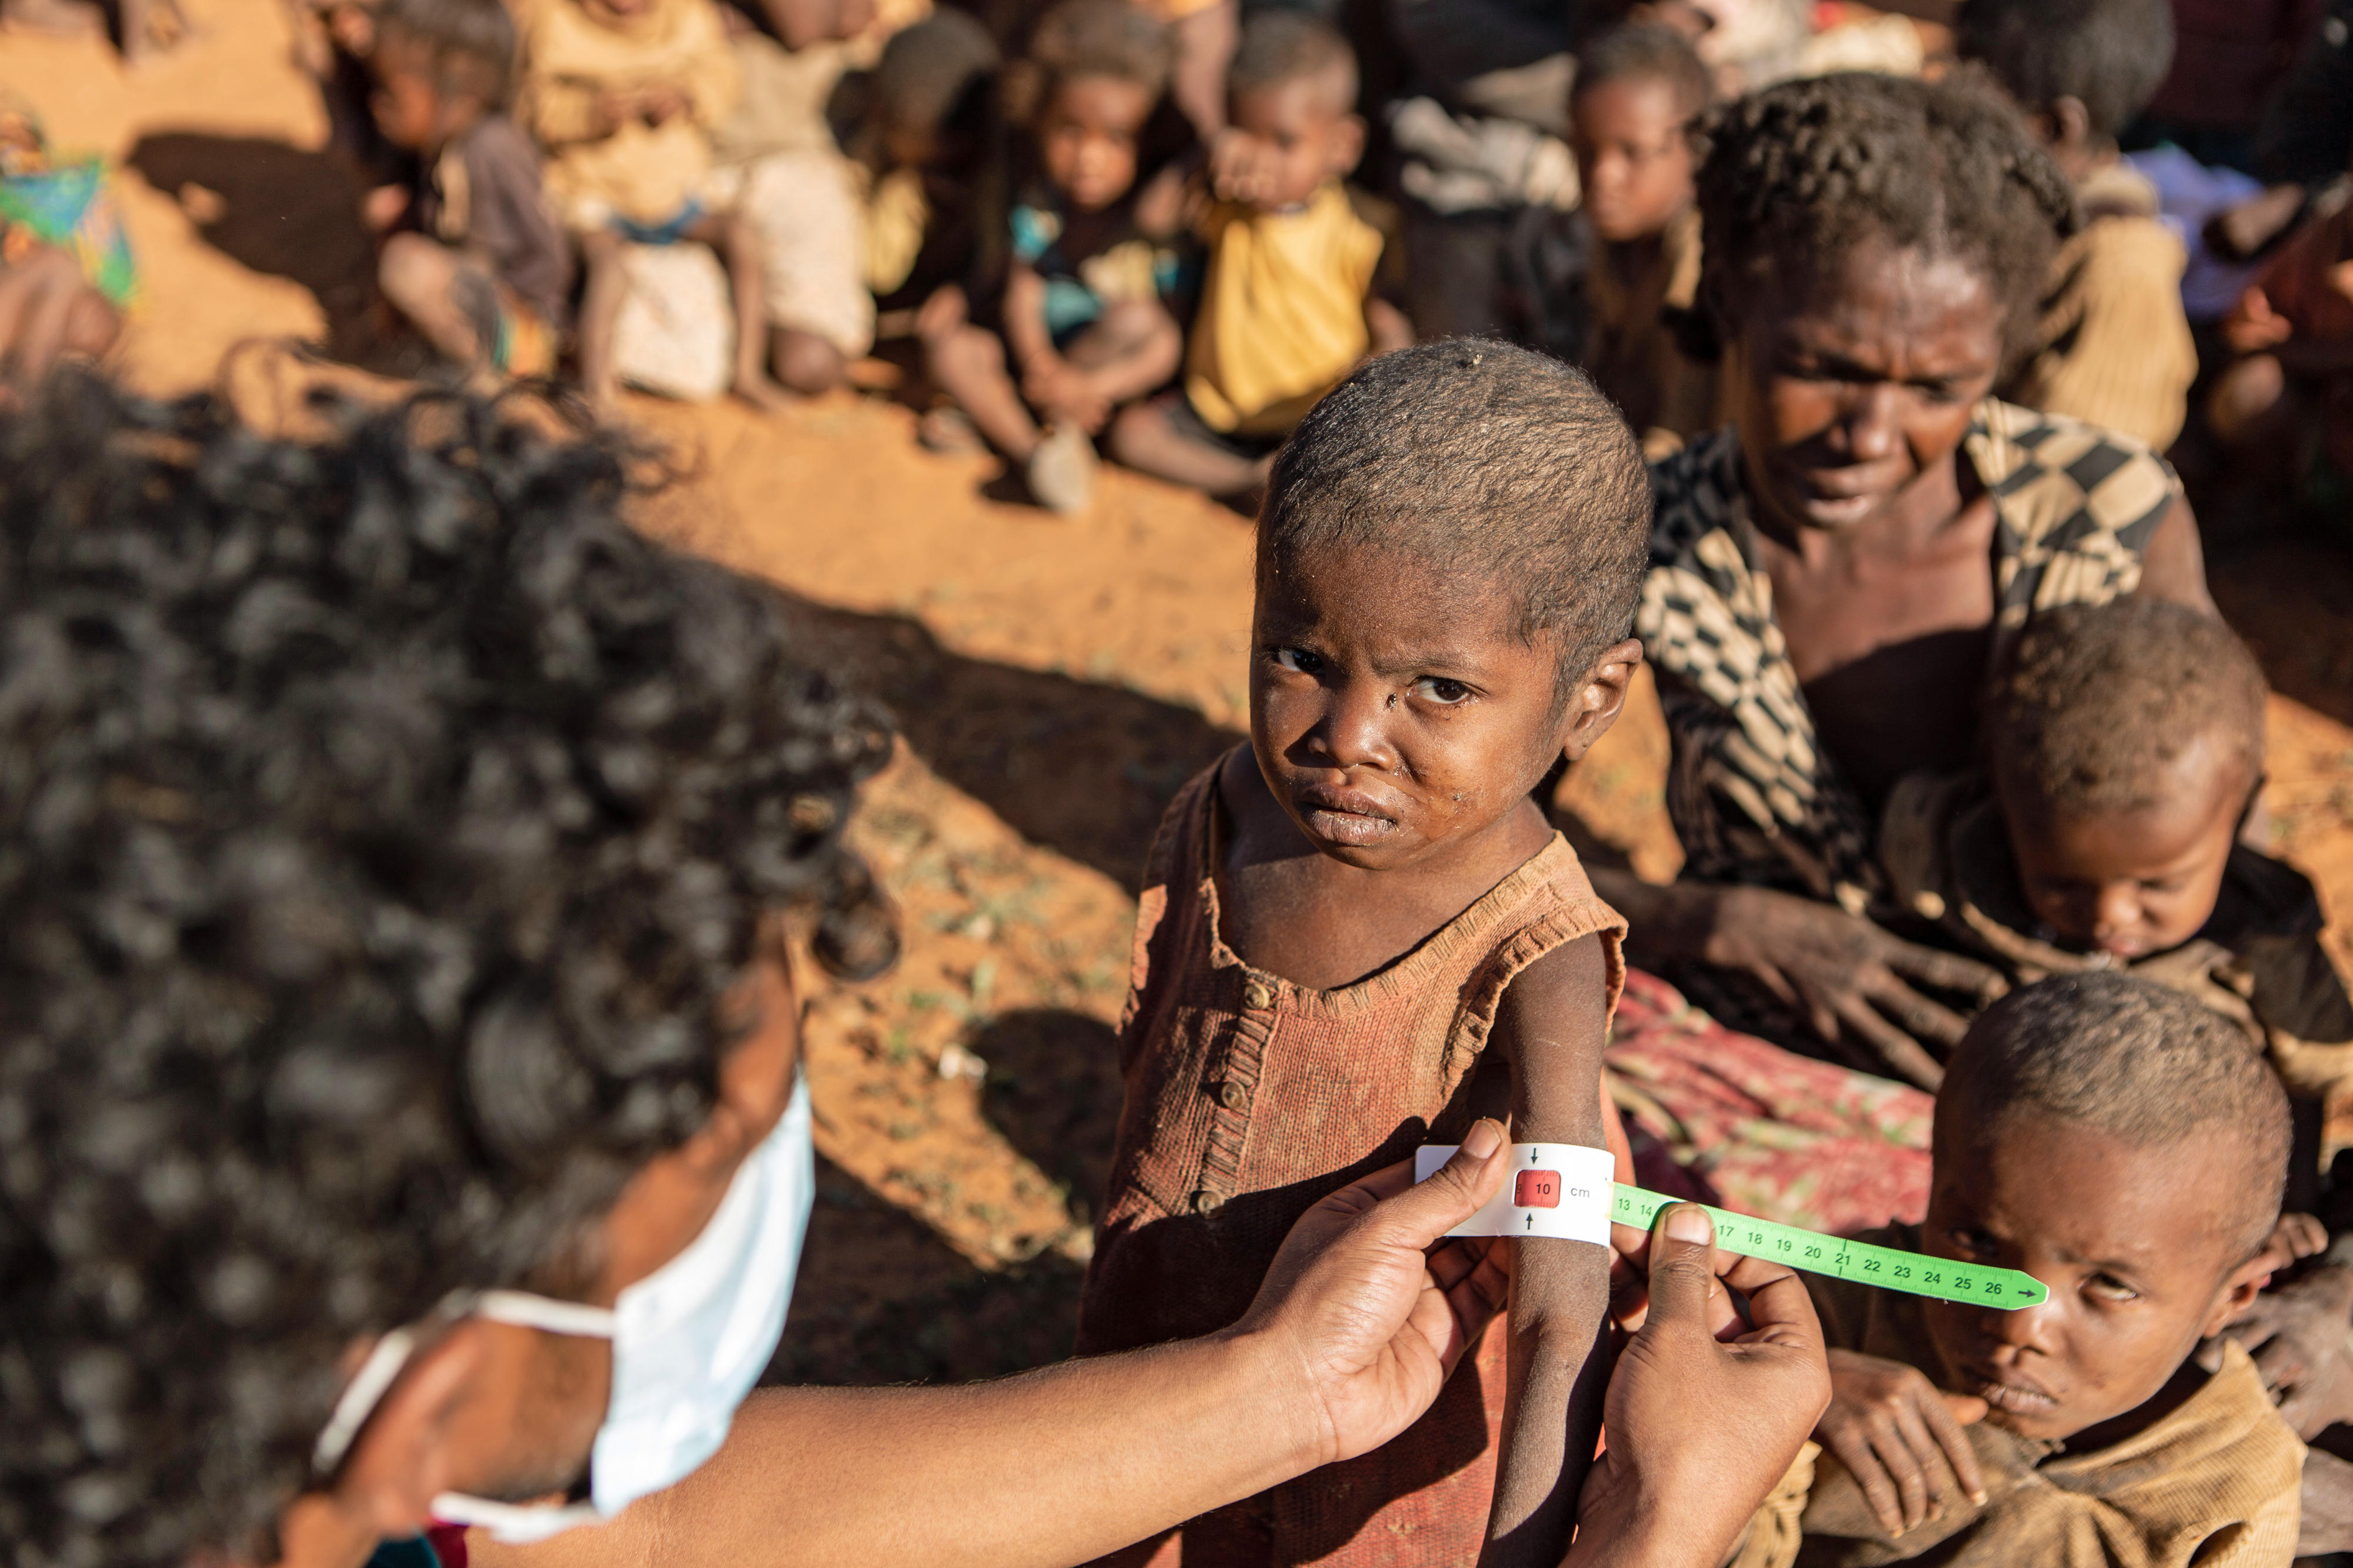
(2140, 882)
(1632, 157)
(1395, 720)
(1299, 138)
(2143, 1249)
(1854, 376)
(1086, 138)
(408, 106)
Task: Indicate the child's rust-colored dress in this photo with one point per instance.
(1249, 1100)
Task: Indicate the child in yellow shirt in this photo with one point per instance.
(1287, 309)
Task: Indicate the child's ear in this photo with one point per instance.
(2237, 1292)
(2070, 122)
(1600, 697)
(1347, 144)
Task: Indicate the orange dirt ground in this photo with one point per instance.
(1056, 681)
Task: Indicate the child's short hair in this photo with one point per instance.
(1089, 37)
(2129, 1057)
(1809, 170)
(1647, 52)
(937, 73)
(2111, 55)
(1279, 47)
(2097, 704)
(472, 43)
(1478, 456)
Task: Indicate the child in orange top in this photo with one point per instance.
(1287, 309)
(1360, 932)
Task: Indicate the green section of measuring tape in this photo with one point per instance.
(1914, 1273)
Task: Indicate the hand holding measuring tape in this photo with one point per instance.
(1565, 1190)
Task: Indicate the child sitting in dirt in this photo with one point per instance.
(2121, 1144)
(1082, 309)
(1639, 89)
(2112, 346)
(1360, 930)
(1287, 309)
(922, 135)
(480, 267)
(66, 269)
(623, 94)
(2127, 744)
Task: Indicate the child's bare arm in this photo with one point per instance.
(1552, 1025)
(1387, 325)
(1025, 318)
(710, 80)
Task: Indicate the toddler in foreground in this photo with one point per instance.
(1360, 932)
(2120, 1143)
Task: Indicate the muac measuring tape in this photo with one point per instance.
(1558, 1190)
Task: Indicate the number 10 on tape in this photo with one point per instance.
(1531, 1204)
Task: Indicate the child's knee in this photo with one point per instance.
(1139, 431)
(1131, 324)
(409, 269)
(967, 350)
(91, 324)
(806, 362)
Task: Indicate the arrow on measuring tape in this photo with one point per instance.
(1914, 1273)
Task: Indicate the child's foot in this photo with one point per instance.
(757, 390)
(1063, 470)
(949, 432)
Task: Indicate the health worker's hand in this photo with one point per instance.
(1701, 1422)
(1367, 1308)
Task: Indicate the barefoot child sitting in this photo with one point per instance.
(1287, 308)
(1082, 307)
(623, 94)
(2120, 1143)
(1360, 930)
(2127, 743)
(480, 267)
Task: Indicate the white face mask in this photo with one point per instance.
(689, 1342)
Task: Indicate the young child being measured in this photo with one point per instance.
(1360, 931)
(2127, 744)
(2121, 1144)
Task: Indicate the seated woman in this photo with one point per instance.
(1833, 577)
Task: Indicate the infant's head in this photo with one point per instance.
(1292, 93)
(1448, 560)
(2127, 740)
(2123, 1145)
(1095, 72)
(1638, 90)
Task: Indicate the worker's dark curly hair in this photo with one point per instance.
(1809, 170)
(382, 823)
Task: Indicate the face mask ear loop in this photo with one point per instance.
(524, 1310)
(359, 1400)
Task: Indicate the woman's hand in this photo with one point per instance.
(2296, 1333)
(1367, 1305)
(1703, 1421)
(1901, 1437)
(1846, 976)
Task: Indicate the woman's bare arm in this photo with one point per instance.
(2173, 567)
(1552, 1025)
